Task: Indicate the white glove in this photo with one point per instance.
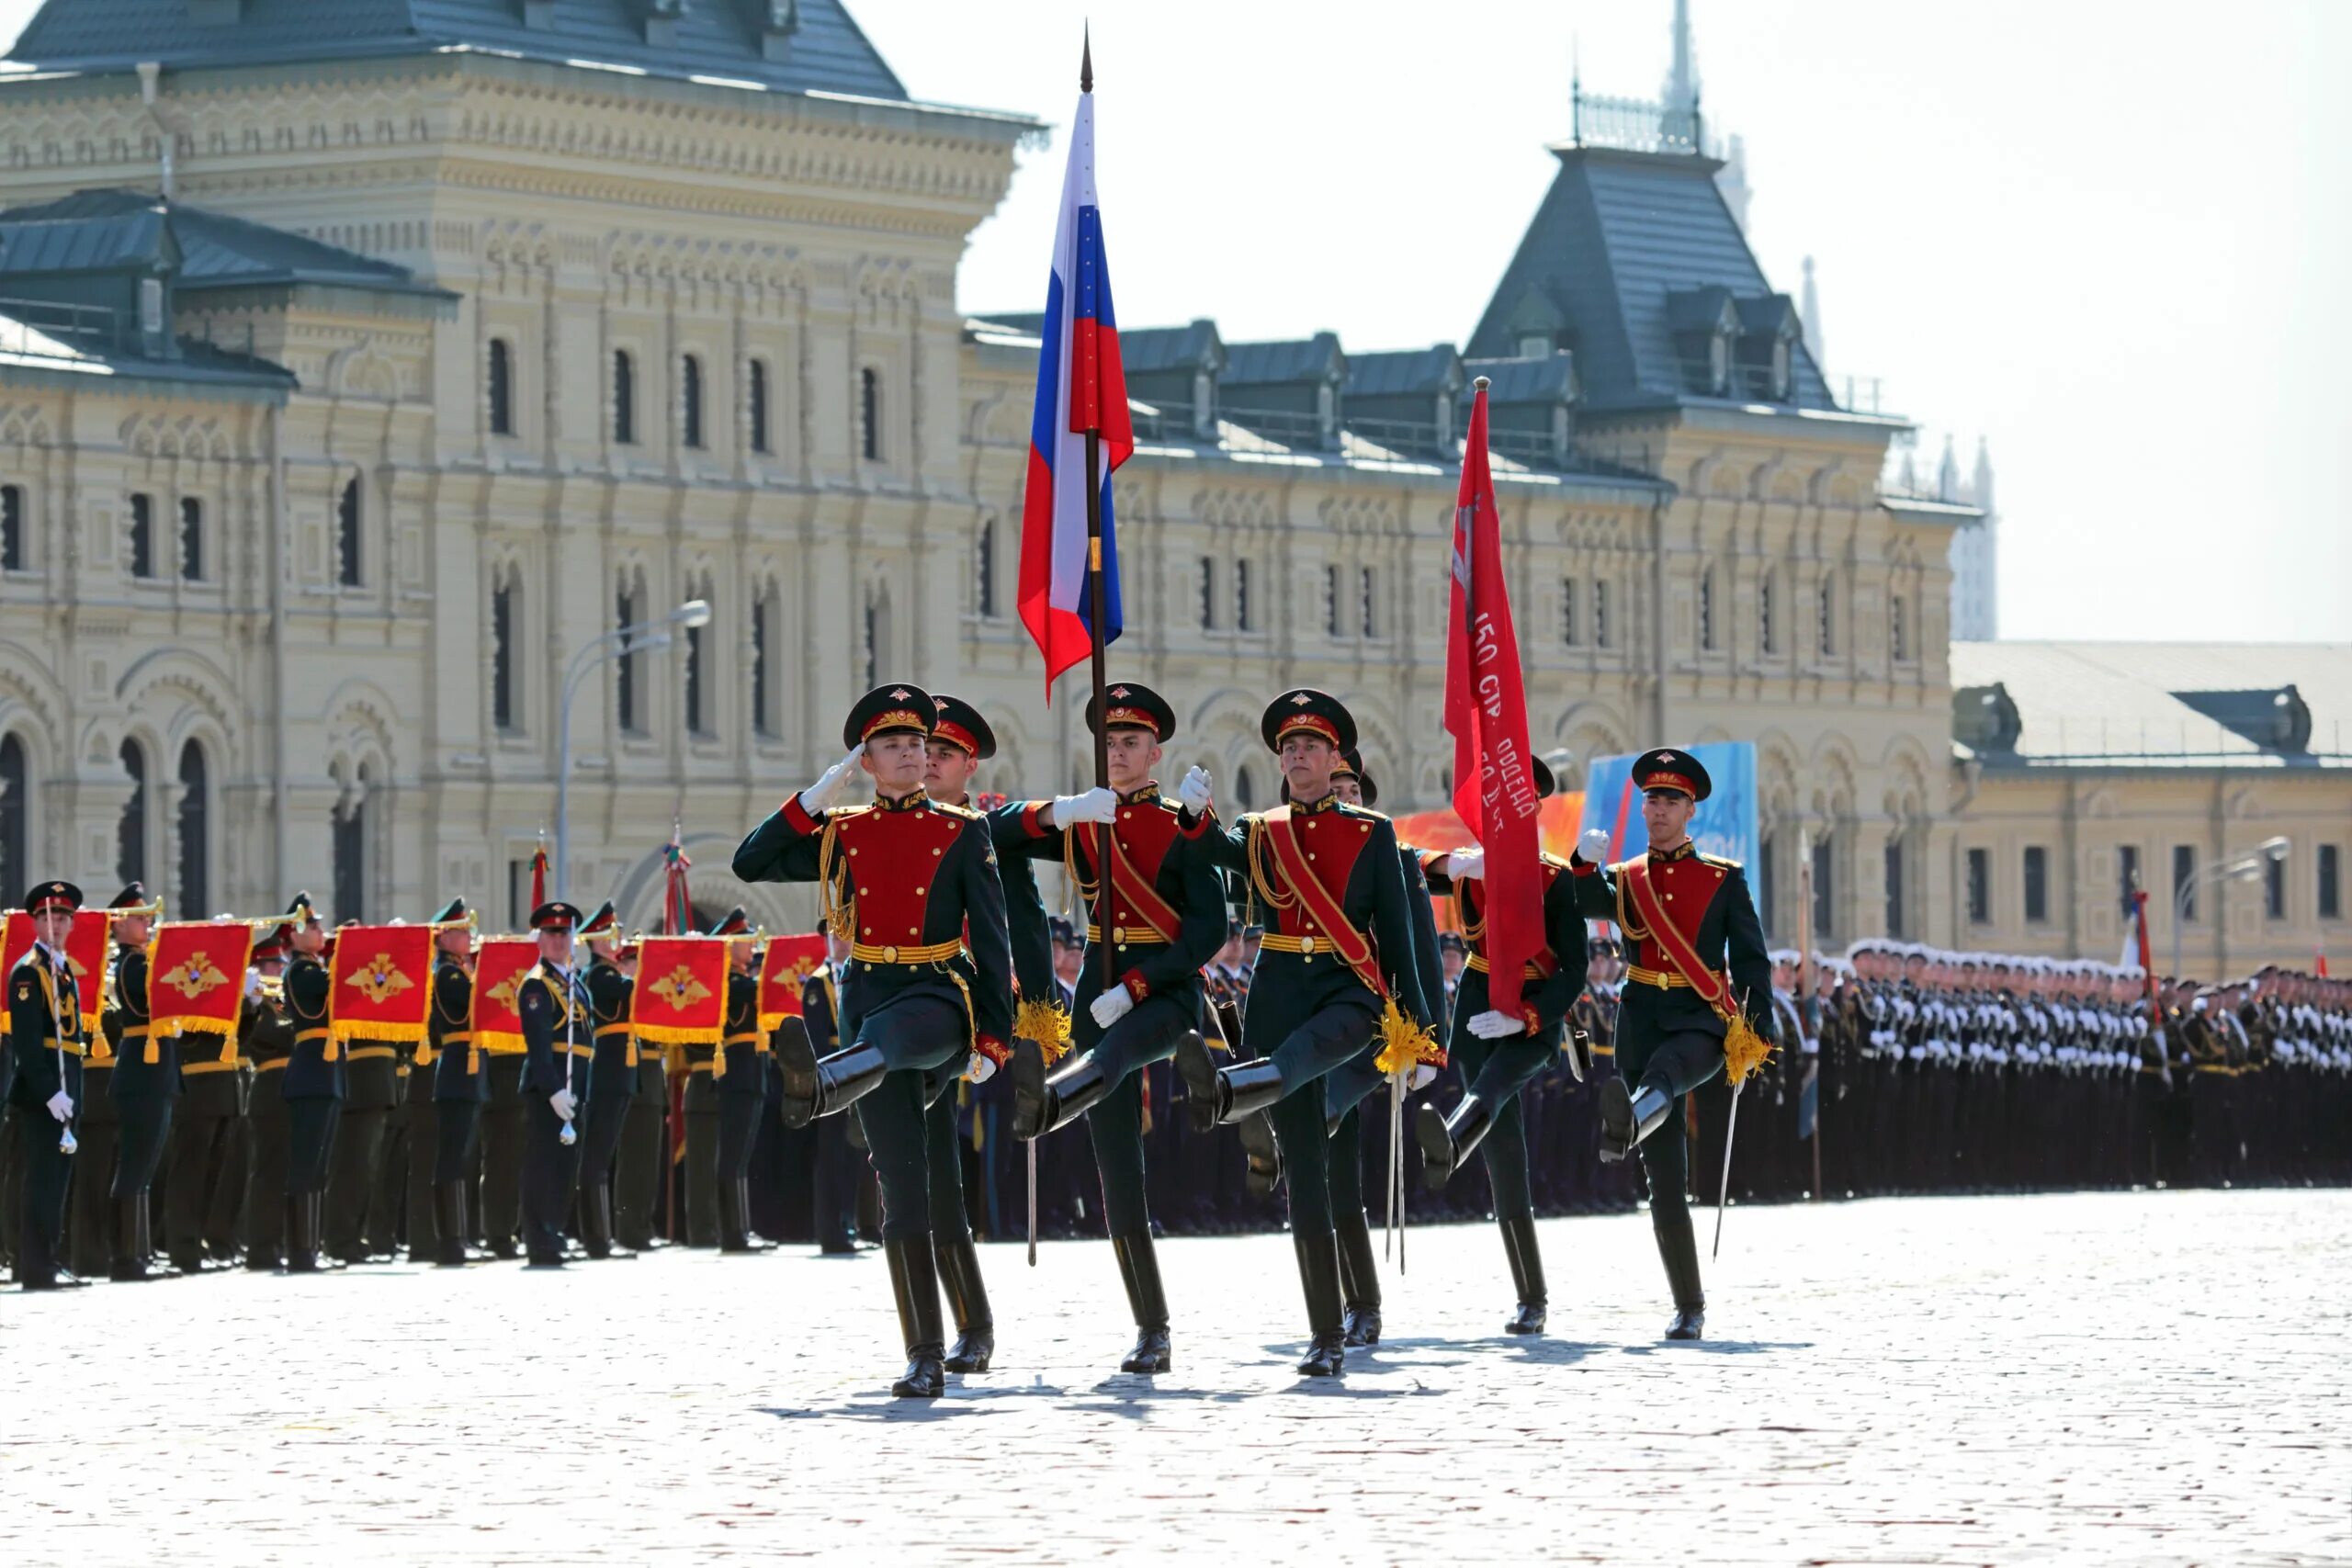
(1193, 794)
(1097, 804)
(1423, 1076)
(980, 1069)
(1593, 848)
(1112, 1006)
(835, 779)
(1493, 1025)
(562, 1102)
(61, 1105)
(1466, 865)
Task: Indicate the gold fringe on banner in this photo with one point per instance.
(349, 1029)
(1044, 1022)
(680, 1035)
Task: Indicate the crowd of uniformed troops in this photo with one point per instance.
(1250, 1007)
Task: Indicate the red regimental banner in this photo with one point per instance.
(381, 983)
(680, 998)
(500, 965)
(85, 950)
(786, 964)
(196, 976)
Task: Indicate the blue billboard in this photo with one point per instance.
(1725, 824)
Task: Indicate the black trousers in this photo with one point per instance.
(918, 1035)
(203, 1189)
(145, 1126)
(644, 1154)
(423, 1160)
(602, 1122)
(700, 1161)
(311, 1121)
(90, 1206)
(388, 1204)
(834, 1183)
(551, 1172)
(1324, 1041)
(1146, 1034)
(739, 1132)
(502, 1152)
(942, 1155)
(457, 1130)
(1675, 1064)
(1494, 1071)
(354, 1168)
(47, 1170)
(12, 1183)
(269, 1138)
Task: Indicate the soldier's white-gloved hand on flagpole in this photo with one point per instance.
(565, 1107)
(61, 1105)
(1593, 848)
(1112, 1006)
(978, 1068)
(828, 788)
(1097, 804)
(1494, 1025)
(1193, 795)
(1423, 1076)
(1466, 865)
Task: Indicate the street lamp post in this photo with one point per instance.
(2231, 868)
(613, 644)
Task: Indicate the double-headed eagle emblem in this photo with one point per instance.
(193, 976)
(379, 979)
(679, 988)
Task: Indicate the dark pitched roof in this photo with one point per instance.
(1284, 360)
(1397, 372)
(1143, 350)
(827, 51)
(1617, 238)
(46, 345)
(93, 229)
(1548, 379)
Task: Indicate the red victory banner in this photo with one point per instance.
(680, 998)
(789, 961)
(196, 975)
(85, 950)
(382, 982)
(500, 965)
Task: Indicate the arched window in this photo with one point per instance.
(1244, 788)
(1825, 891)
(756, 405)
(1898, 628)
(984, 568)
(1568, 611)
(1241, 595)
(1600, 615)
(347, 534)
(690, 399)
(191, 539)
(142, 536)
(12, 534)
(501, 388)
(699, 704)
(629, 610)
(1209, 593)
(16, 814)
(350, 853)
(131, 829)
(1332, 601)
(764, 634)
(869, 413)
(196, 805)
(623, 397)
(1895, 903)
(877, 634)
(1764, 628)
(505, 616)
(1707, 609)
(1825, 618)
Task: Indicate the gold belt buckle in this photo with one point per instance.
(889, 955)
(1306, 945)
(1118, 933)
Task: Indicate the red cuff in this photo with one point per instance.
(1579, 866)
(1137, 987)
(1197, 826)
(1433, 861)
(1529, 1017)
(995, 1050)
(796, 817)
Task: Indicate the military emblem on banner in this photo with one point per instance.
(86, 952)
(195, 973)
(680, 998)
(500, 965)
(380, 982)
(786, 964)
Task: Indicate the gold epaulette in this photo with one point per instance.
(1718, 860)
(963, 811)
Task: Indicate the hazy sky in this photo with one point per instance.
(2113, 239)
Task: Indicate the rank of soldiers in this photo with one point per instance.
(309, 1099)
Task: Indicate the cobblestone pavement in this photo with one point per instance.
(2149, 1378)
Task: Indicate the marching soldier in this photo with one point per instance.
(740, 1078)
(267, 1034)
(97, 1132)
(313, 1087)
(644, 1147)
(371, 1090)
(47, 1048)
(146, 1086)
(559, 1039)
(207, 1182)
(499, 1136)
(612, 1077)
(913, 885)
(449, 1028)
(1688, 919)
(1500, 1054)
(1166, 922)
(833, 1188)
(1335, 978)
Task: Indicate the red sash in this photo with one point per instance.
(1319, 901)
(1633, 878)
(1130, 885)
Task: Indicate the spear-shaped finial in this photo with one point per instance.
(1086, 60)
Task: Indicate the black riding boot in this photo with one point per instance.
(1627, 1116)
(450, 1221)
(814, 1089)
(1678, 1246)
(751, 1238)
(968, 1298)
(1447, 1141)
(1359, 1279)
(914, 1285)
(596, 1225)
(1231, 1093)
(1262, 1153)
(1043, 1104)
(302, 1241)
(1140, 1269)
(1318, 1271)
(1526, 1275)
(134, 1244)
(734, 1222)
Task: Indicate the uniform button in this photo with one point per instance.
(1310, 854)
(1126, 816)
(920, 890)
(868, 931)
(853, 849)
(935, 850)
(914, 931)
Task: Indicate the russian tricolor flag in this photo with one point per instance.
(1081, 387)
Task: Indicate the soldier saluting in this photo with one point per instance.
(1696, 970)
(913, 885)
